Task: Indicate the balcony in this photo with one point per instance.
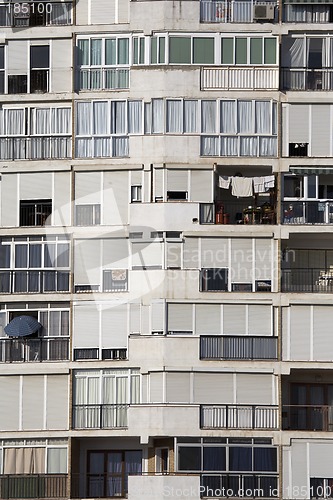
(30, 350)
(239, 417)
(100, 416)
(307, 418)
(235, 485)
(307, 12)
(237, 212)
(310, 280)
(218, 347)
(33, 486)
(103, 78)
(236, 11)
(35, 148)
(34, 281)
(307, 212)
(40, 14)
(306, 79)
(240, 78)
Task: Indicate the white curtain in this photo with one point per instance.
(56, 461)
(42, 121)
(190, 116)
(267, 146)
(83, 120)
(229, 146)
(61, 120)
(102, 147)
(297, 53)
(210, 146)
(263, 117)
(157, 116)
(228, 117)
(208, 117)
(245, 117)
(248, 146)
(61, 14)
(135, 389)
(83, 148)
(118, 117)
(24, 460)
(174, 116)
(120, 146)
(100, 118)
(15, 121)
(61, 147)
(95, 52)
(134, 117)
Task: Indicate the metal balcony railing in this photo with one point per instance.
(307, 212)
(103, 78)
(308, 280)
(307, 417)
(33, 486)
(239, 417)
(99, 416)
(236, 212)
(240, 78)
(27, 350)
(36, 281)
(238, 347)
(306, 78)
(233, 11)
(35, 148)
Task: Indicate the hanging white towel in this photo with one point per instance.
(269, 182)
(242, 187)
(224, 181)
(259, 184)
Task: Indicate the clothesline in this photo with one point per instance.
(243, 187)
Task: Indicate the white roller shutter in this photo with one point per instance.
(214, 252)
(178, 387)
(86, 326)
(116, 197)
(136, 177)
(147, 255)
(299, 468)
(9, 200)
(213, 388)
(57, 398)
(18, 57)
(157, 316)
(102, 11)
(180, 318)
(134, 319)
(36, 186)
(87, 188)
(320, 462)
(263, 259)
(87, 262)
(322, 333)
(158, 174)
(10, 411)
(191, 253)
(254, 389)
(177, 180)
(208, 319)
(234, 319)
(61, 74)
(241, 260)
(62, 199)
(321, 129)
(114, 327)
(173, 254)
(202, 185)
(33, 402)
(300, 325)
(123, 11)
(260, 319)
(115, 253)
(299, 123)
(145, 320)
(156, 387)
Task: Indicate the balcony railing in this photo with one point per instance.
(35, 148)
(307, 212)
(306, 79)
(33, 486)
(26, 350)
(307, 417)
(239, 417)
(232, 11)
(99, 416)
(41, 14)
(308, 280)
(103, 78)
(235, 485)
(312, 13)
(34, 281)
(236, 212)
(240, 78)
(238, 347)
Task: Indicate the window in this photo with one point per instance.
(2, 69)
(321, 488)
(195, 50)
(35, 213)
(39, 68)
(162, 460)
(157, 50)
(249, 50)
(176, 195)
(298, 149)
(87, 215)
(17, 84)
(214, 280)
(136, 194)
(115, 280)
(139, 50)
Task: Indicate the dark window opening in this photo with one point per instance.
(214, 280)
(35, 213)
(241, 287)
(85, 354)
(39, 68)
(263, 285)
(114, 354)
(298, 149)
(177, 195)
(17, 84)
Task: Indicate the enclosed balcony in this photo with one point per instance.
(237, 11)
(99, 416)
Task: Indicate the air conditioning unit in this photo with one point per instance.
(263, 12)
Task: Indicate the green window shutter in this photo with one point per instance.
(227, 51)
(153, 50)
(256, 50)
(179, 50)
(241, 50)
(270, 51)
(110, 51)
(203, 50)
(123, 57)
(161, 51)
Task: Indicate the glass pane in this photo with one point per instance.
(312, 186)
(4, 256)
(270, 51)
(39, 56)
(240, 458)
(265, 459)
(214, 458)
(227, 51)
(161, 50)
(179, 50)
(123, 51)
(111, 51)
(21, 256)
(142, 51)
(83, 46)
(96, 52)
(135, 50)
(2, 57)
(96, 463)
(153, 50)
(189, 458)
(241, 50)
(256, 50)
(203, 50)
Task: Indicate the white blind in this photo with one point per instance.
(61, 60)
(320, 129)
(173, 254)
(234, 319)
(57, 398)
(299, 122)
(177, 180)
(241, 260)
(213, 388)
(134, 319)
(62, 199)
(158, 174)
(208, 319)
(180, 317)
(260, 319)
(191, 253)
(157, 316)
(87, 187)
(9, 412)
(102, 10)
(254, 388)
(17, 57)
(36, 186)
(9, 200)
(116, 197)
(320, 466)
(115, 253)
(33, 402)
(214, 252)
(86, 325)
(263, 259)
(202, 185)
(87, 262)
(178, 388)
(300, 321)
(156, 387)
(322, 333)
(149, 254)
(114, 327)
